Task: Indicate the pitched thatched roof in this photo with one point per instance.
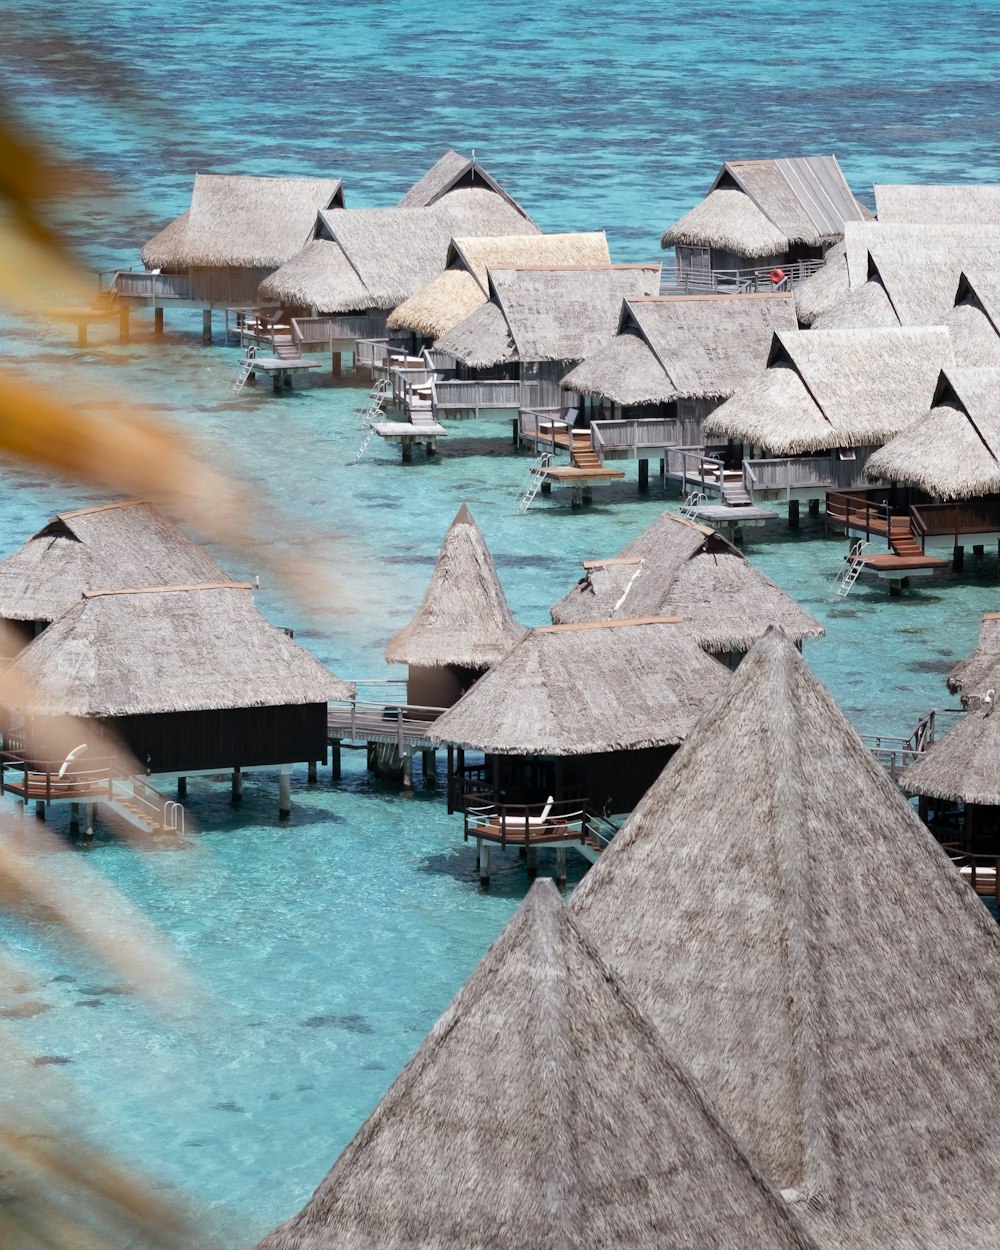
(964, 765)
(378, 257)
(974, 322)
(980, 671)
(109, 547)
(954, 451)
(696, 346)
(464, 618)
(676, 566)
(797, 200)
(542, 1111)
(825, 288)
(240, 221)
(464, 286)
(974, 205)
(168, 649)
(862, 238)
(836, 388)
(454, 172)
(581, 689)
(787, 921)
(547, 313)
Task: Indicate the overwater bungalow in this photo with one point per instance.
(454, 172)
(543, 1110)
(463, 625)
(646, 393)
(760, 217)
(190, 678)
(110, 546)
(463, 286)
(678, 567)
(785, 918)
(926, 204)
(808, 423)
(216, 254)
(979, 673)
(575, 722)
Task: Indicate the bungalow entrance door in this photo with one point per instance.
(530, 385)
(694, 268)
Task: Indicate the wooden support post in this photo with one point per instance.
(337, 364)
(958, 559)
(532, 861)
(39, 809)
(429, 761)
(335, 761)
(814, 507)
(895, 586)
(284, 795)
(515, 432)
(407, 447)
(663, 469)
(81, 333)
(588, 493)
(451, 778)
(286, 379)
(977, 550)
(793, 513)
(182, 787)
(74, 818)
(312, 772)
(546, 486)
(560, 865)
(237, 785)
(21, 805)
(88, 821)
(206, 325)
(158, 322)
(483, 849)
(432, 446)
(123, 312)
(644, 475)
(407, 770)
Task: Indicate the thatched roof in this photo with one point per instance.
(974, 322)
(581, 689)
(464, 619)
(696, 346)
(542, 1111)
(552, 313)
(676, 566)
(780, 911)
(454, 172)
(110, 546)
(980, 671)
(836, 388)
(954, 451)
(964, 765)
(378, 257)
(464, 286)
(974, 205)
(168, 649)
(825, 288)
(862, 238)
(761, 208)
(241, 221)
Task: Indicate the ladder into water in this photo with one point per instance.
(243, 371)
(533, 482)
(853, 569)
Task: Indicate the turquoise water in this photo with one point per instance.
(325, 948)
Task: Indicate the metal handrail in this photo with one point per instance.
(518, 818)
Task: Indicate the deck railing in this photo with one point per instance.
(545, 429)
(358, 720)
(135, 283)
(895, 753)
(311, 332)
(470, 393)
(439, 360)
(634, 433)
(938, 519)
(527, 824)
(792, 471)
(681, 278)
(695, 466)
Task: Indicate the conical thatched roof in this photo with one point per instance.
(464, 286)
(825, 288)
(836, 388)
(108, 547)
(581, 689)
(557, 313)
(168, 649)
(697, 347)
(453, 172)
(464, 618)
(980, 671)
(964, 765)
(974, 205)
(676, 566)
(795, 200)
(242, 222)
(953, 452)
(377, 257)
(542, 1111)
(787, 921)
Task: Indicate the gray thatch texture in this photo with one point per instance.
(242, 222)
(450, 173)
(582, 689)
(975, 205)
(625, 371)
(825, 289)
(779, 910)
(953, 452)
(864, 237)
(464, 618)
(974, 337)
(729, 220)
(676, 566)
(862, 307)
(543, 1111)
(979, 672)
(106, 547)
(378, 257)
(168, 649)
(836, 388)
(549, 313)
(451, 296)
(964, 765)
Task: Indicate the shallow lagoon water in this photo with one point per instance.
(326, 947)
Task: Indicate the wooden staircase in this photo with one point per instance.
(901, 537)
(736, 495)
(581, 451)
(285, 348)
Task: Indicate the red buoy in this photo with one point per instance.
(777, 275)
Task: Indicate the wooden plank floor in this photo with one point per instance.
(886, 562)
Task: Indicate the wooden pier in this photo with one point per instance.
(390, 732)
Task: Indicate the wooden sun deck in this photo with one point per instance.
(568, 473)
(888, 564)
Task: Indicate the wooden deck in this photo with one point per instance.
(569, 473)
(888, 564)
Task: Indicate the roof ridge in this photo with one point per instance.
(574, 626)
(152, 590)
